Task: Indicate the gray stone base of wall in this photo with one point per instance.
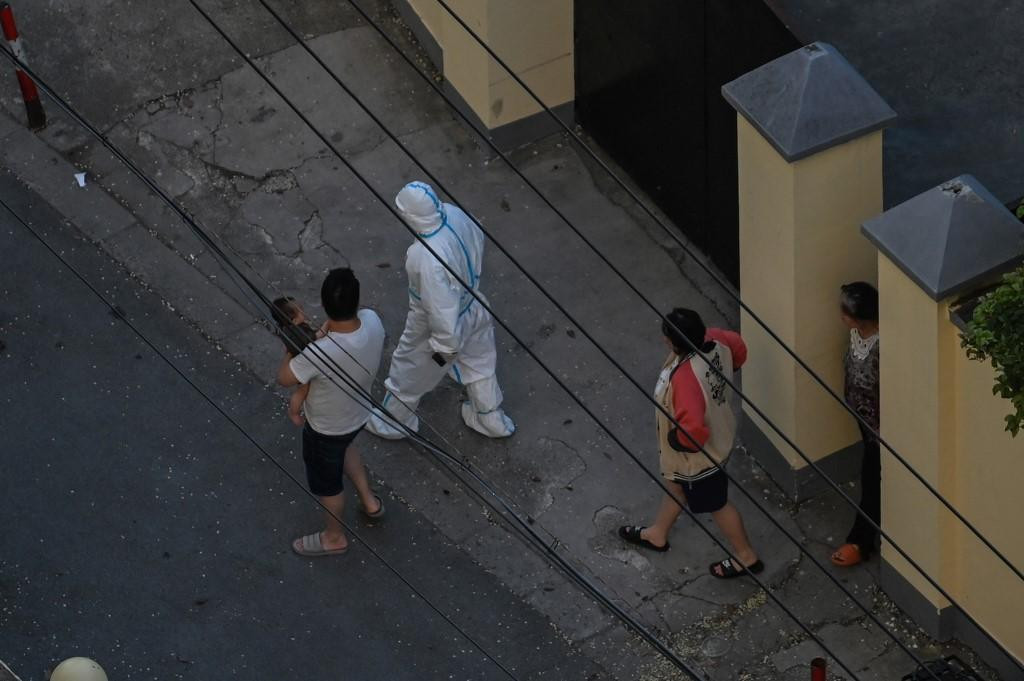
(945, 623)
(799, 483)
(505, 137)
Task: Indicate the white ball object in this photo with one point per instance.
(78, 669)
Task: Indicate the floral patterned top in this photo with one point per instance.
(861, 385)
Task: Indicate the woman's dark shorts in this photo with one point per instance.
(707, 495)
(324, 456)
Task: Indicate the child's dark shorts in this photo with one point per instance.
(707, 495)
(324, 456)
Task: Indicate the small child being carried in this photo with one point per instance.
(296, 333)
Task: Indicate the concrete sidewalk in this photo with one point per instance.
(245, 166)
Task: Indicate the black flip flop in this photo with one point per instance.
(631, 533)
(730, 571)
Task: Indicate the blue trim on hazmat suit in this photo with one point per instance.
(444, 318)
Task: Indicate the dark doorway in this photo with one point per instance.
(648, 80)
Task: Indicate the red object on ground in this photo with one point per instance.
(33, 105)
(818, 669)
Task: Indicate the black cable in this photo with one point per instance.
(434, 449)
(152, 346)
(583, 330)
(504, 508)
(233, 273)
(814, 465)
(561, 384)
(604, 427)
(717, 279)
(697, 350)
(523, 527)
(446, 459)
(207, 240)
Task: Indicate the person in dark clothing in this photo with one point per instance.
(858, 309)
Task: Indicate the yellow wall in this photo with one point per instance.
(939, 413)
(534, 37)
(466, 64)
(918, 386)
(989, 474)
(799, 241)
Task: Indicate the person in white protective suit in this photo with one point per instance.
(447, 330)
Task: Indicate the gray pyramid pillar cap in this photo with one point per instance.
(807, 101)
(951, 239)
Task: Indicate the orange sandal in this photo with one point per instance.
(847, 555)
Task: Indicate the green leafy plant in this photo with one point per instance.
(1020, 210)
(996, 333)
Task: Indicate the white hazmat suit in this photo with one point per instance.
(445, 323)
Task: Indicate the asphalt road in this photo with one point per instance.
(143, 530)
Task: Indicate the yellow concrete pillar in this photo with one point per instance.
(919, 377)
(534, 37)
(939, 413)
(809, 146)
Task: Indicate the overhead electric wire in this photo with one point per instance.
(586, 333)
(710, 272)
(728, 380)
(541, 363)
(813, 465)
(473, 293)
(548, 549)
(504, 508)
(444, 457)
(152, 346)
(206, 239)
(330, 145)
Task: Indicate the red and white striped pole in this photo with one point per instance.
(33, 105)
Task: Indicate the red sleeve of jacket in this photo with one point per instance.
(688, 400)
(734, 342)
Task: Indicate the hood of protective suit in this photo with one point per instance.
(420, 207)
